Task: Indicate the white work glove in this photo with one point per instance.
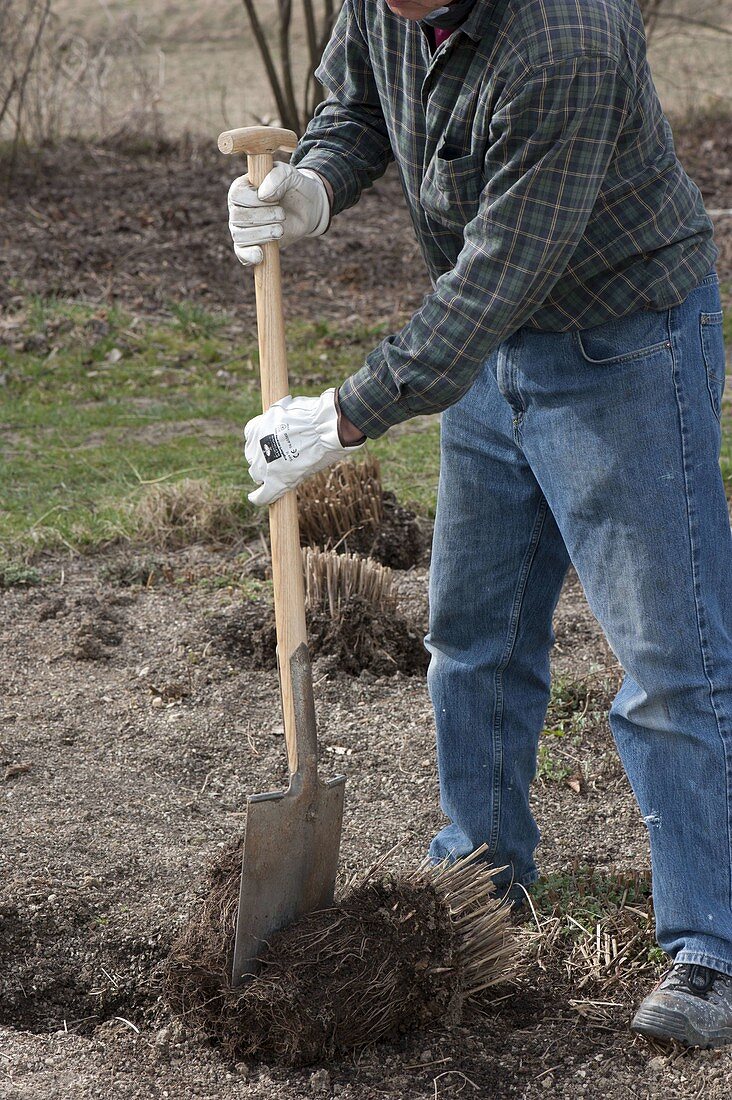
(295, 438)
(290, 203)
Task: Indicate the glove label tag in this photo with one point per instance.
(279, 445)
(270, 448)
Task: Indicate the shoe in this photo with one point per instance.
(691, 1004)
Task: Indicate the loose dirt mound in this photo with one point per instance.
(361, 639)
(62, 967)
(336, 981)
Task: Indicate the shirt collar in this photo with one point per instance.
(450, 16)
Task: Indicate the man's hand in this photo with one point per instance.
(295, 438)
(290, 203)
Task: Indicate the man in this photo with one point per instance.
(573, 342)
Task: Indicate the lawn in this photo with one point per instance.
(100, 405)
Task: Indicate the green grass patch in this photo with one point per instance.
(588, 894)
(410, 464)
(17, 575)
(568, 712)
(101, 410)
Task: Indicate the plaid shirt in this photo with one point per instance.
(539, 171)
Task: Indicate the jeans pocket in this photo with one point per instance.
(712, 342)
(623, 339)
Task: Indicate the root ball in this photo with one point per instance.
(394, 953)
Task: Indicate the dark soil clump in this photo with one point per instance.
(95, 637)
(128, 572)
(336, 981)
(399, 542)
(364, 639)
(101, 626)
(359, 639)
(246, 633)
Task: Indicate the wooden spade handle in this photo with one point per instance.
(259, 142)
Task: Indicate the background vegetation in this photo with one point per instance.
(99, 403)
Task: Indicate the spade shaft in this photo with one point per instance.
(291, 838)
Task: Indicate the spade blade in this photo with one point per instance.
(289, 863)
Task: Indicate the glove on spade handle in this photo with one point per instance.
(259, 143)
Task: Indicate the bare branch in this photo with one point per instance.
(291, 119)
(266, 54)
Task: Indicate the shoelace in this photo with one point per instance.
(694, 978)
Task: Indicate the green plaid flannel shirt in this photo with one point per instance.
(539, 171)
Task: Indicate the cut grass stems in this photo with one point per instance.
(102, 409)
(597, 927)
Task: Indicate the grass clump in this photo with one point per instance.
(343, 504)
(346, 508)
(597, 927)
(18, 575)
(353, 621)
(333, 581)
(144, 572)
(188, 511)
(395, 952)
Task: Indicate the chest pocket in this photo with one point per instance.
(451, 188)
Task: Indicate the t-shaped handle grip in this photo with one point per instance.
(254, 140)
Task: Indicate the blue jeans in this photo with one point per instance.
(600, 448)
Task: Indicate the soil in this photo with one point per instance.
(362, 639)
(125, 777)
(399, 542)
(147, 229)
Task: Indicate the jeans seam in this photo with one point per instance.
(690, 516)
(703, 958)
(497, 726)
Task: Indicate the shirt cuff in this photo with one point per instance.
(369, 404)
(334, 169)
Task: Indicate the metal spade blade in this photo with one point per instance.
(291, 840)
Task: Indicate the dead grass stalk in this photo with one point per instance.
(342, 501)
(333, 581)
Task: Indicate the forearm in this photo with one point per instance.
(348, 150)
